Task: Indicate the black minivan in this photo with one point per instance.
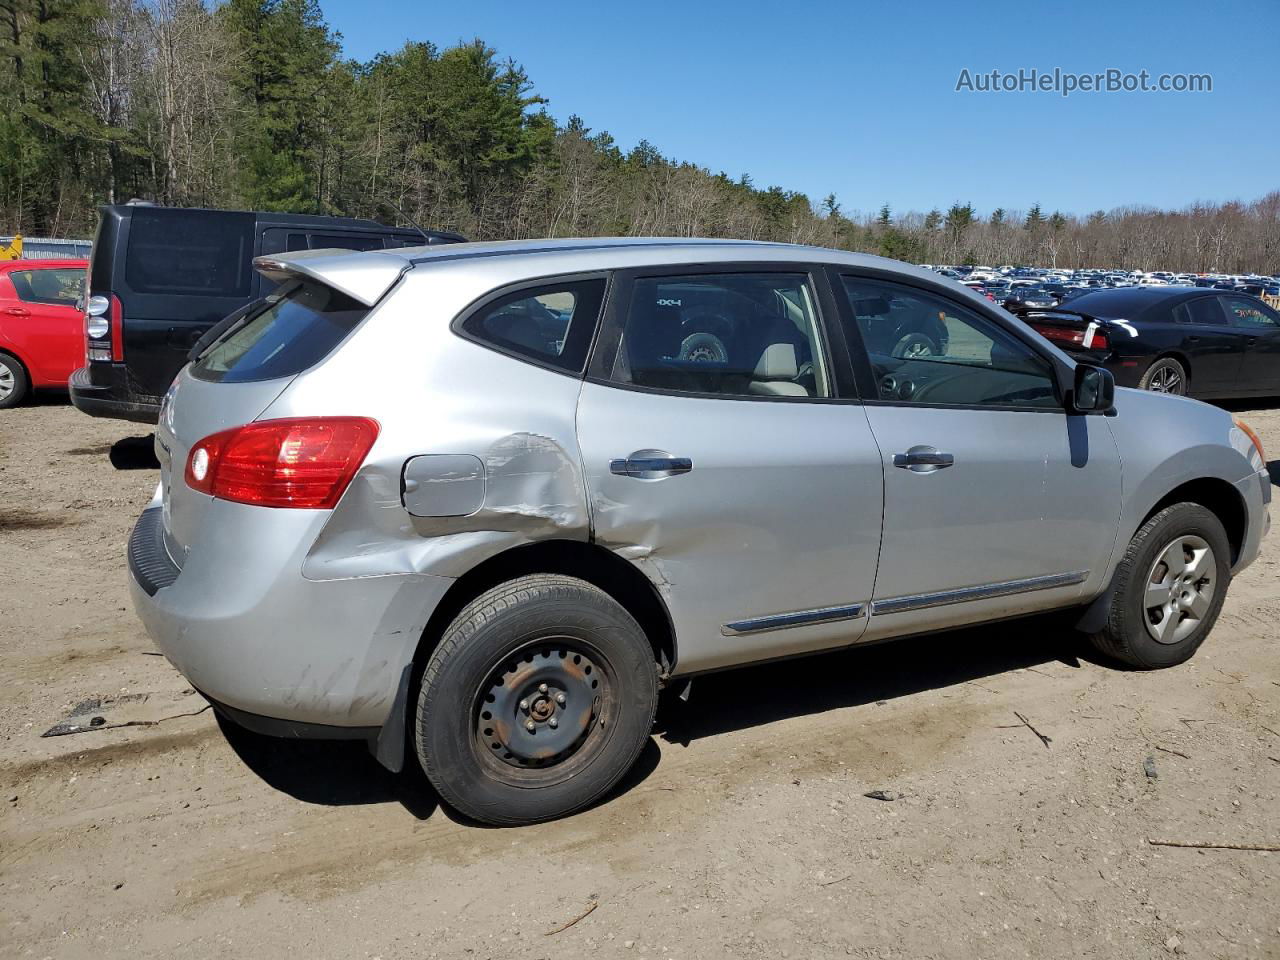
(161, 277)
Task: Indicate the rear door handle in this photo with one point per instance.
(923, 459)
(18, 312)
(650, 465)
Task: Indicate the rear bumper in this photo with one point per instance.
(103, 390)
(243, 625)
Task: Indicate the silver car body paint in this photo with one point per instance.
(789, 530)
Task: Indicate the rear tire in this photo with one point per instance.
(14, 384)
(1166, 375)
(537, 700)
(1169, 589)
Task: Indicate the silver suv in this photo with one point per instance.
(479, 503)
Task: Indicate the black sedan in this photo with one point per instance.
(1186, 340)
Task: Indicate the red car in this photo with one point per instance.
(41, 326)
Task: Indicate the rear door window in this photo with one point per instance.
(729, 335)
(181, 253)
(1202, 310)
(58, 287)
(292, 334)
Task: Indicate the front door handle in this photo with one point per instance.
(923, 459)
(18, 312)
(650, 465)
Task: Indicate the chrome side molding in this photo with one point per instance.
(984, 592)
(800, 618)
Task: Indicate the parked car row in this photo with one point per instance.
(1252, 283)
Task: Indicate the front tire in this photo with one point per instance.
(14, 384)
(537, 700)
(1169, 589)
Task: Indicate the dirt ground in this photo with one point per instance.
(744, 831)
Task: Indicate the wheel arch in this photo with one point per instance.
(10, 352)
(602, 568)
(596, 565)
(1218, 497)
(5, 351)
(1173, 354)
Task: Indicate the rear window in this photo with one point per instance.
(202, 253)
(344, 241)
(292, 334)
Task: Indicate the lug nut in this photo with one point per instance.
(554, 722)
(542, 688)
(530, 726)
(524, 704)
(560, 698)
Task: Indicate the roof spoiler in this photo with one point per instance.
(365, 277)
(1067, 316)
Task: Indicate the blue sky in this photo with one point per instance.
(858, 98)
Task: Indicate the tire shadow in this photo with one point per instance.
(331, 773)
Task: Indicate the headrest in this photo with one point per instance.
(519, 329)
(45, 284)
(778, 362)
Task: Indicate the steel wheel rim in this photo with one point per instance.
(1166, 379)
(544, 712)
(1179, 589)
(709, 350)
(7, 382)
(702, 354)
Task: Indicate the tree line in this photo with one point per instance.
(250, 104)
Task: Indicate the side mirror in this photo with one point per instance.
(1094, 389)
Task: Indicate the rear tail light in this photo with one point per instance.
(300, 462)
(1091, 338)
(104, 328)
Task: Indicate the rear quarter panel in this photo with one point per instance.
(434, 393)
